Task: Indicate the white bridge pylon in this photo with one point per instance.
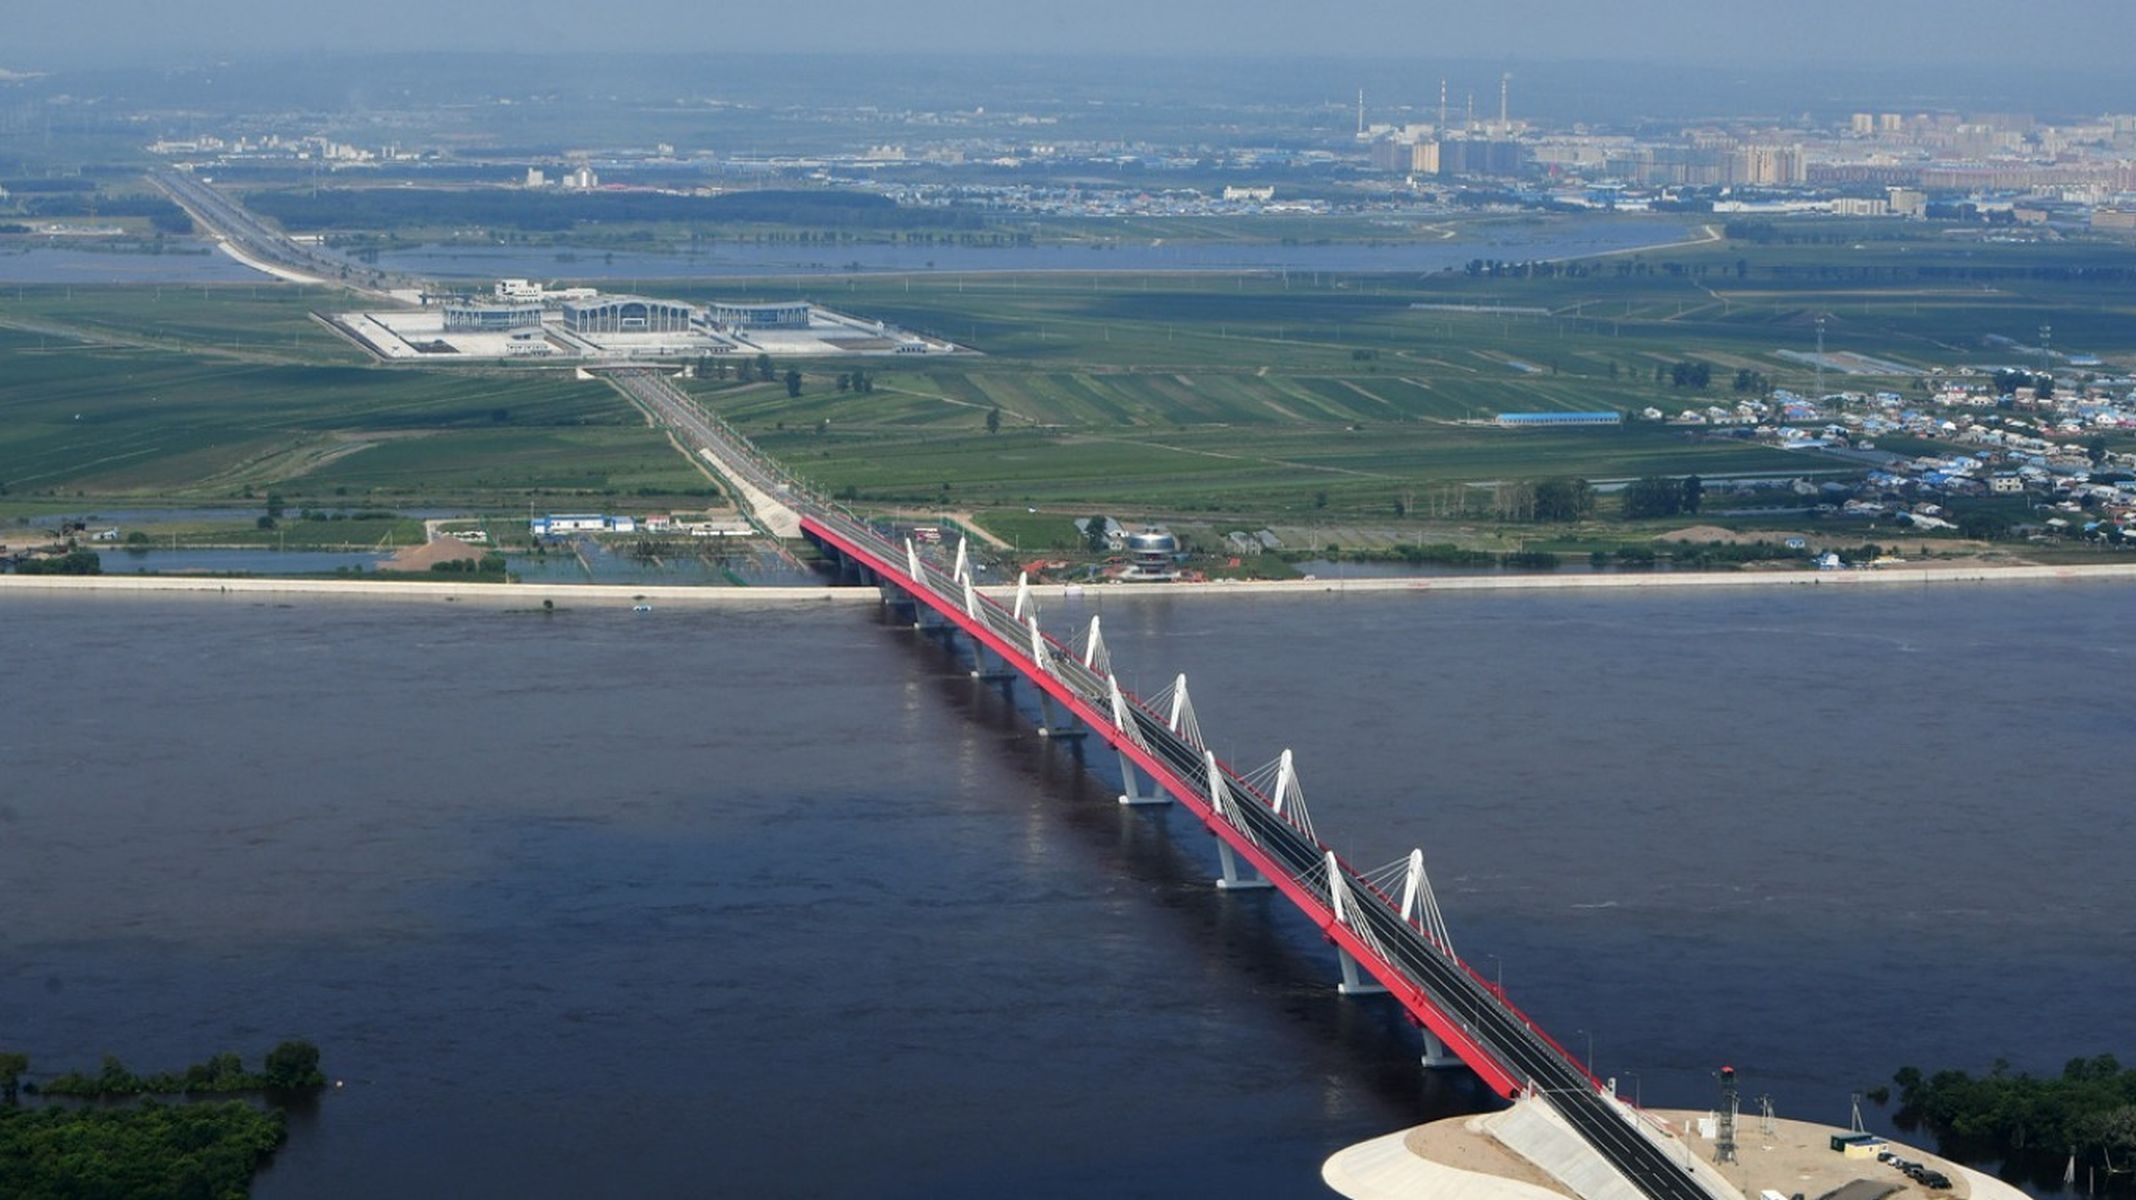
(1180, 715)
(1023, 596)
(1095, 656)
(1278, 781)
(1123, 719)
(1221, 803)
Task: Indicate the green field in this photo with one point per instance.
(119, 420)
(1255, 395)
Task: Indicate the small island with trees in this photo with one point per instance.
(118, 1134)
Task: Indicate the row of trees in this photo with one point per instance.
(713, 366)
(762, 370)
(291, 1067)
(73, 562)
(2008, 381)
(1661, 496)
(1689, 373)
(2092, 1105)
(1560, 500)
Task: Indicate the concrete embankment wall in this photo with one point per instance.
(520, 595)
(1838, 580)
(517, 595)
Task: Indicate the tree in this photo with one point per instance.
(274, 506)
(993, 419)
(2095, 449)
(294, 1065)
(793, 383)
(1094, 535)
(1984, 526)
(1653, 496)
(763, 367)
(11, 1068)
(1563, 499)
(1694, 493)
(845, 382)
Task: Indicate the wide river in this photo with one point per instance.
(1558, 237)
(779, 902)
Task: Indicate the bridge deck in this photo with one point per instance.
(1391, 941)
(1442, 993)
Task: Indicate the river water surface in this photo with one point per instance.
(779, 902)
(1511, 241)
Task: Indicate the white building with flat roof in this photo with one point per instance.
(626, 314)
(788, 314)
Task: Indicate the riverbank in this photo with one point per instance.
(1873, 578)
(521, 594)
(1521, 1154)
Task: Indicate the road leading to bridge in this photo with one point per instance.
(265, 248)
(763, 490)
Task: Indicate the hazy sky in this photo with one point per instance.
(2025, 35)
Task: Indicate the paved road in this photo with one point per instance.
(766, 494)
(255, 239)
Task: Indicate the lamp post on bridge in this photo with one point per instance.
(1498, 976)
(1590, 1051)
(1634, 1075)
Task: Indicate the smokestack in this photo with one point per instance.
(1505, 83)
(1442, 107)
(1360, 112)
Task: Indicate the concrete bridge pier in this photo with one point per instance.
(1049, 726)
(983, 668)
(1356, 983)
(899, 604)
(1233, 880)
(1131, 792)
(1436, 1056)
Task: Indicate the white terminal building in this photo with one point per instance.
(626, 314)
(523, 318)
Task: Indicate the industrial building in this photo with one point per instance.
(558, 524)
(791, 314)
(1541, 419)
(626, 314)
(491, 318)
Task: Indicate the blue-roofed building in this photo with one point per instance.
(1532, 420)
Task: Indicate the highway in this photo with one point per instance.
(253, 238)
(764, 489)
